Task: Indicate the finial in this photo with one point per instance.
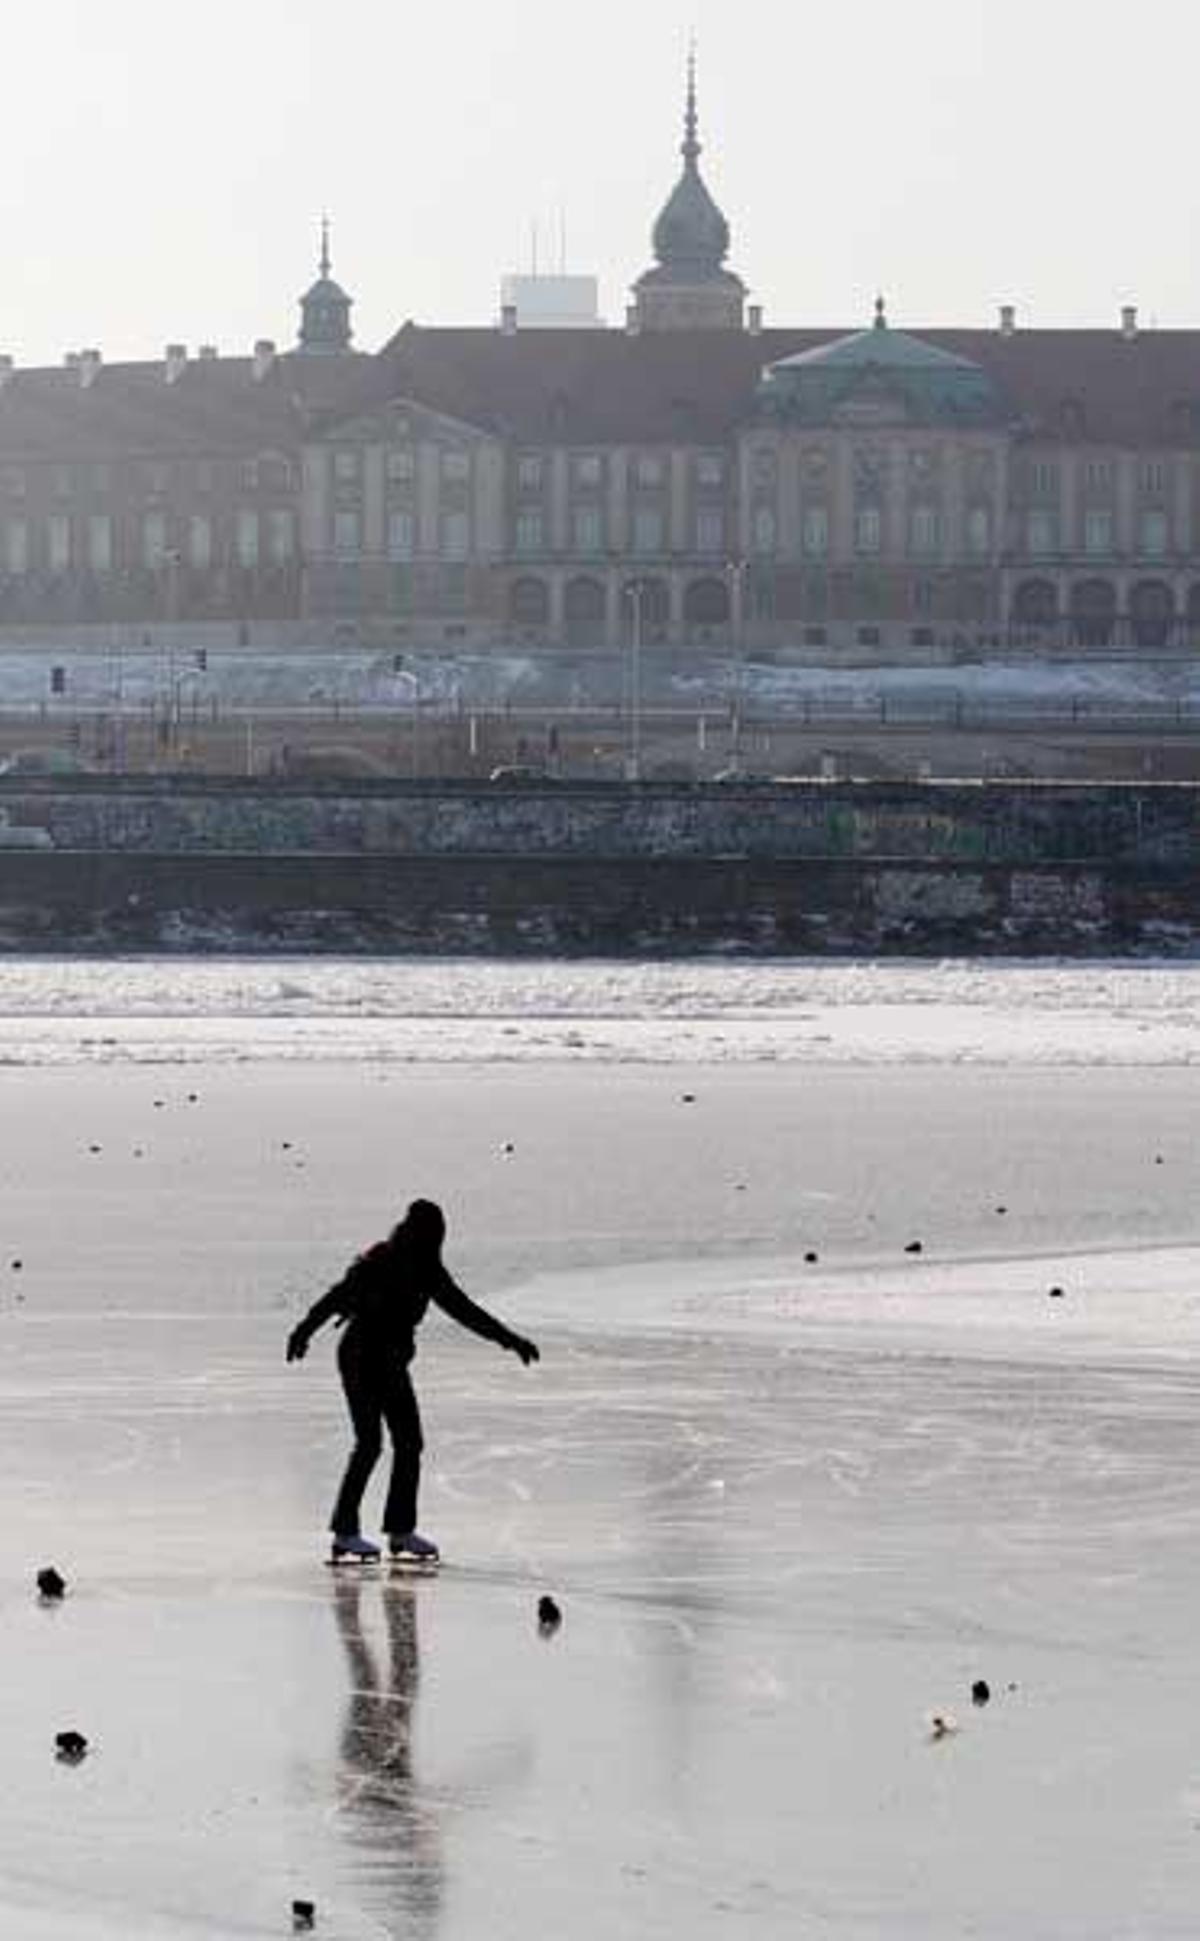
(326, 263)
(880, 314)
(691, 139)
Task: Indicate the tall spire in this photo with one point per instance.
(689, 288)
(691, 124)
(326, 260)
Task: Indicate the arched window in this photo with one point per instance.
(706, 604)
(529, 603)
(1151, 613)
(1035, 604)
(1093, 613)
(583, 611)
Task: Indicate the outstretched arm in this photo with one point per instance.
(449, 1296)
(339, 1300)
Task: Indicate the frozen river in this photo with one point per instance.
(791, 1508)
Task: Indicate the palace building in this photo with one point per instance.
(855, 494)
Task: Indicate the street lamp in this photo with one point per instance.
(735, 580)
(635, 593)
(406, 674)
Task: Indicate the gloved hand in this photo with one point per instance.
(297, 1346)
(526, 1349)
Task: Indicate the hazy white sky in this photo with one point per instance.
(165, 165)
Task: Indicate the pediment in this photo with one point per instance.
(402, 421)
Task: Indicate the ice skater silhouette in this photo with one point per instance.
(382, 1298)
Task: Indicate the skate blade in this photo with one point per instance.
(414, 1566)
(352, 1563)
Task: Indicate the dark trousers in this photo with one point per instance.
(378, 1390)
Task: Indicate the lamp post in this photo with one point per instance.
(406, 674)
(635, 593)
(735, 580)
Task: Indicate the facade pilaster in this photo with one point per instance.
(560, 495)
(1126, 493)
(372, 485)
(675, 585)
(558, 605)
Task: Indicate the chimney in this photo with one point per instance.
(6, 368)
(71, 360)
(264, 358)
(1129, 322)
(508, 319)
(89, 367)
(754, 316)
(176, 360)
(207, 353)
(633, 321)
(1008, 320)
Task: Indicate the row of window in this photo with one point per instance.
(400, 465)
(454, 534)
(1044, 535)
(649, 470)
(154, 477)
(1099, 477)
(62, 544)
(925, 531)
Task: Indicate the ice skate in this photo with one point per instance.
(353, 1550)
(413, 1552)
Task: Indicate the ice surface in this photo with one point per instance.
(454, 1012)
(789, 1510)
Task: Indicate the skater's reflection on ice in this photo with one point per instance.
(381, 1804)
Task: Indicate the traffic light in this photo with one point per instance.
(58, 680)
(202, 660)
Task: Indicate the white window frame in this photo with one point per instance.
(200, 541)
(924, 532)
(587, 529)
(281, 535)
(530, 472)
(868, 531)
(764, 531)
(979, 531)
(401, 534)
(710, 529)
(347, 533)
(58, 542)
(814, 532)
(100, 542)
(1098, 539)
(455, 536)
(16, 546)
(249, 536)
(1155, 521)
(649, 530)
(401, 465)
(531, 531)
(154, 540)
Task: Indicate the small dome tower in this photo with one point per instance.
(689, 288)
(325, 310)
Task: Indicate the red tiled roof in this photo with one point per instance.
(608, 387)
(214, 406)
(582, 387)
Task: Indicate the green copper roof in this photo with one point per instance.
(881, 374)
